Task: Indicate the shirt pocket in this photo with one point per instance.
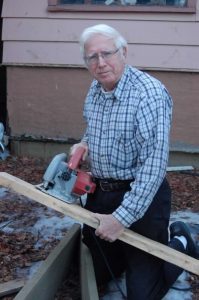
(123, 152)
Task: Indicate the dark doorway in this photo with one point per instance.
(3, 110)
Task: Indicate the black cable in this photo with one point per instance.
(105, 259)
(107, 265)
(192, 287)
(110, 271)
(181, 289)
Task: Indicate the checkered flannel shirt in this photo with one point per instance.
(128, 137)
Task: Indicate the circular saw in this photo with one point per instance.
(65, 180)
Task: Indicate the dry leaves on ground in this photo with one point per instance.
(17, 249)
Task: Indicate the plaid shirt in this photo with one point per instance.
(128, 137)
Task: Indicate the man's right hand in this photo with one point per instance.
(78, 145)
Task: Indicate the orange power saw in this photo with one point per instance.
(66, 181)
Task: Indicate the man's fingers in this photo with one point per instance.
(78, 145)
(105, 238)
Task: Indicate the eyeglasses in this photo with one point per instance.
(94, 59)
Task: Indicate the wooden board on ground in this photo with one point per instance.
(11, 287)
(82, 215)
(87, 275)
(44, 284)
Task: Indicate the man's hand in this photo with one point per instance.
(109, 228)
(76, 146)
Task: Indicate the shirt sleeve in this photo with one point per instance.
(152, 134)
(85, 116)
(85, 138)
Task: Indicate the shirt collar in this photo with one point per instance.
(121, 85)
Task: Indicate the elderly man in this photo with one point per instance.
(128, 116)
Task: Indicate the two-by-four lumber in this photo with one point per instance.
(44, 284)
(11, 287)
(82, 215)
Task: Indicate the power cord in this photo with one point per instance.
(192, 287)
(110, 271)
(105, 259)
(181, 289)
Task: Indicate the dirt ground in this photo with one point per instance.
(17, 249)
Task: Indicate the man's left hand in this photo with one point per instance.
(109, 228)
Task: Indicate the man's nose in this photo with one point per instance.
(101, 60)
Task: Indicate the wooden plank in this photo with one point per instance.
(82, 215)
(45, 282)
(28, 8)
(69, 30)
(87, 275)
(159, 57)
(179, 168)
(11, 287)
(38, 53)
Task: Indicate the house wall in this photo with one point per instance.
(47, 82)
(32, 35)
(48, 102)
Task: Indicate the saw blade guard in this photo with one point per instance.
(57, 163)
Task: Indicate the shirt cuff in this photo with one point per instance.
(124, 217)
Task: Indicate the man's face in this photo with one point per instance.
(104, 61)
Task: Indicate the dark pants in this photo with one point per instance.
(147, 277)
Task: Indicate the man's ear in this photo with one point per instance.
(124, 52)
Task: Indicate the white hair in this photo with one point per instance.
(104, 30)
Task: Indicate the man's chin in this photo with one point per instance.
(108, 86)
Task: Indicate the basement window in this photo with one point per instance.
(181, 6)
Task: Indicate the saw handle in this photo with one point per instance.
(75, 159)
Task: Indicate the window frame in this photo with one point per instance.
(55, 6)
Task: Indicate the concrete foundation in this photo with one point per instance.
(179, 156)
